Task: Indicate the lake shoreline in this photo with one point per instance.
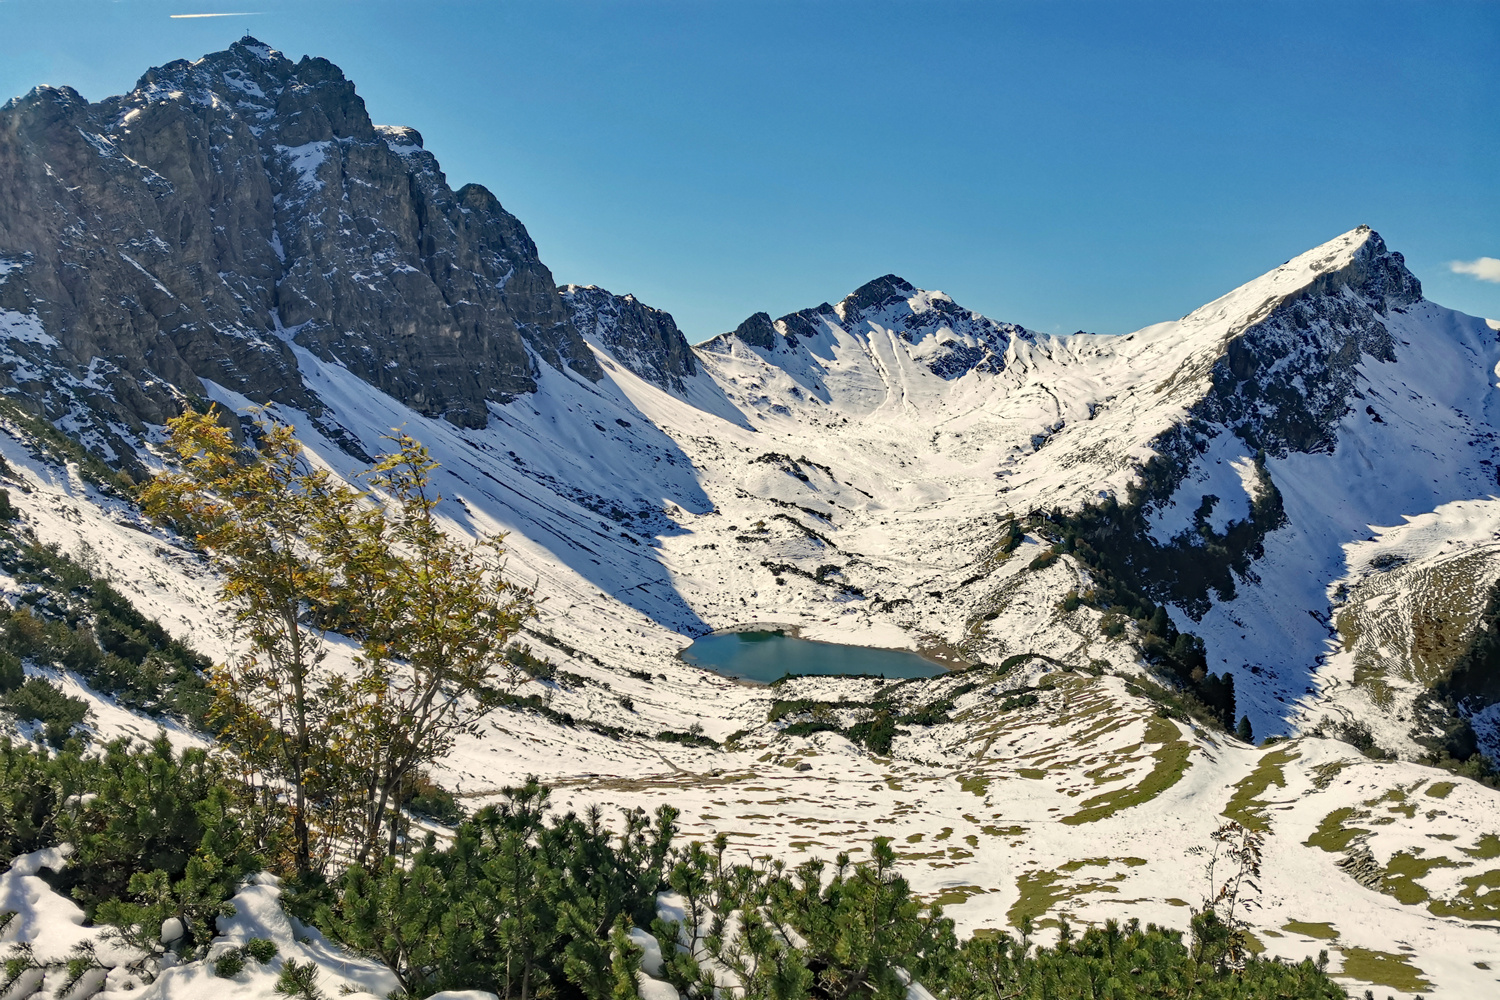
(753, 661)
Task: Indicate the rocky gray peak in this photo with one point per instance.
(808, 323)
(643, 339)
(954, 340)
(876, 295)
(757, 331)
(1376, 273)
(1289, 371)
(957, 340)
(230, 210)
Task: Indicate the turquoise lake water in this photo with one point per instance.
(765, 656)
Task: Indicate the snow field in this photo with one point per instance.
(646, 517)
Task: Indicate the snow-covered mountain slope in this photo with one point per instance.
(861, 453)
(1407, 608)
(1365, 403)
(851, 471)
(873, 487)
(893, 429)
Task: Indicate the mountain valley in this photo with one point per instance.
(1293, 487)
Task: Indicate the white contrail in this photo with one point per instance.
(252, 13)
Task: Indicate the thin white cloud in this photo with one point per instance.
(1483, 268)
(251, 13)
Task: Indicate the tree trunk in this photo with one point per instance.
(303, 745)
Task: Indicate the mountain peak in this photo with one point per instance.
(882, 291)
(757, 331)
(1357, 259)
(643, 339)
(276, 151)
(254, 47)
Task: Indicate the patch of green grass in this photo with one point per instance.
(1073, 866)
(1244, 807)
(1105, 773)
(1040, 891)
(1402, 872)
(1407, 809)
(957, 894)
(1331, 835)
(978, 784)
(1473, 902)
(1381, 968)
(1488, 847)
(1034, 773)
(1324, 932)
(1440, 789)
(1348, 629)
(1171, 763)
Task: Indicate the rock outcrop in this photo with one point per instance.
(229, 212)
(641, 338)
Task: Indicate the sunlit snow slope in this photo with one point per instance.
(845, 469)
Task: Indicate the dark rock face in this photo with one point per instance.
(883, 291)
(641, 338)
(757, 331)
(1289, 377)
(228, 209)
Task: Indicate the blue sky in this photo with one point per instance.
(1065, 165)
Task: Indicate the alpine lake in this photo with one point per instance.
(764, 656)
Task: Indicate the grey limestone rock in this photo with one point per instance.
(757, 331)
(643, 339)
(230, 211)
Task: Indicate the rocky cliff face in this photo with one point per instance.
(230, 211)
(641, 338)
(1290, 376)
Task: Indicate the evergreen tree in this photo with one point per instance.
(1243, 730)
(517, 905)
